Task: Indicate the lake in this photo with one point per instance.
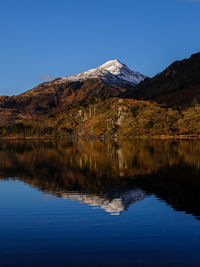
(99, 203)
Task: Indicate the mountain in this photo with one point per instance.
(108, 80)
(108, 102)
(179, 84)
(112, 72)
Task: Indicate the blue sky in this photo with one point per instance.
(56, 38)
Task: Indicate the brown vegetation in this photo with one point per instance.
(96, 109)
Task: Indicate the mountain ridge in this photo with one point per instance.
(60, 94)
(112, 71)
(178, 84)
(94, 105)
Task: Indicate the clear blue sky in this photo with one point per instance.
(64, 37)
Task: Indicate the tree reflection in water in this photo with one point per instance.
(108, 175)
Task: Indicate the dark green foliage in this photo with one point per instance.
(149, 125)
(86, 102)
(135, 110)
(82, 103)
(51, 115)
(16, 129)
(91, 101)
(175, 108)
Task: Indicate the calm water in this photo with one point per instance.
(100, 204)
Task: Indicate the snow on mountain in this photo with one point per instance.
(113, 204)
(112, 72)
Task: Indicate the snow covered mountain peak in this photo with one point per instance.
(112, 71)
(112, 65)
(121, 71)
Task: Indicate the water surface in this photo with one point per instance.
(99, 204)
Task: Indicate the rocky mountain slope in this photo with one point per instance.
(112, 72)
(108, 80)
(179, 84)
(106, 103)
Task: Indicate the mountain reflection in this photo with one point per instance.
(110, 175)
(114, 204)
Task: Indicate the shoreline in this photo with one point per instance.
(102, 138)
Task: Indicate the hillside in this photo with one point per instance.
(112, 118)
(107, 102)
(61, 94)
(179, 84)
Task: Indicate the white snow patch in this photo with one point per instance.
(112, 71)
